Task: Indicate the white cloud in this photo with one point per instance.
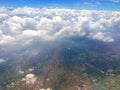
(45, 89)
(3, 9)
(31, 69)
(101, 36)
(21, 72)
(25, 11)
(2, 60)
(6, 39)
(30, 79)
(27, 24)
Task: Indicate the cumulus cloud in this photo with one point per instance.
(21, 72)
(25, 25)
(30, 79)
(3, 9)
(31, 69)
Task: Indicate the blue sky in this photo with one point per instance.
(77, 4)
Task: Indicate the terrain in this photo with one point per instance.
(86, 65)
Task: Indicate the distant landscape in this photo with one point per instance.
(59, 49)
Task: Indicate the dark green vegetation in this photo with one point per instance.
(79, 63)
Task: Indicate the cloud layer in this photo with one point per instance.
(26, 25)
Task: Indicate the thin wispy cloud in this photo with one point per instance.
(116, 1)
